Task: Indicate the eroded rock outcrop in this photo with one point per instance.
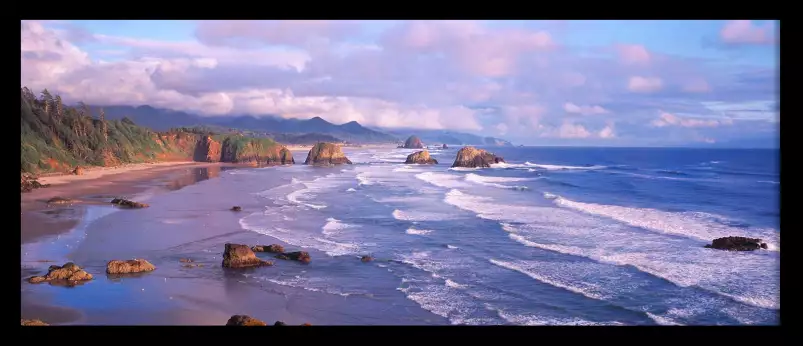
(326, 154)
(68, 273)
(273, 248)
(471, 157)
(78, 171)
(737, 244)
(445, 146)
(245, 320)
(421, 157)
(129, 266)
(241, 256)
(366, 259)
(124, 203)
(301, 256)
(413, 142)
(207, 150)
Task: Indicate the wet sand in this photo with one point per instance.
(40, 221)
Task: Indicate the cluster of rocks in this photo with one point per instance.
(71, 274)
(241, 256)
(248, 321)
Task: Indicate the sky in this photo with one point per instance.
(555, 82)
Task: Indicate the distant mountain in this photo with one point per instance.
(446, 137)
(162, 119)
(306, 138)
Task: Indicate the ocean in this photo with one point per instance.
(555, 236)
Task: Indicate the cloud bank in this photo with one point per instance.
(528, 82)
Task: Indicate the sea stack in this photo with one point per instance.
(471, 157)
(413, 143)
(421, 157)
(445, 146)
(326, 154)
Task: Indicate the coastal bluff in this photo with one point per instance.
(326, 154)
(471, 157)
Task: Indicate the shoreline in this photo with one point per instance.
(113, 181)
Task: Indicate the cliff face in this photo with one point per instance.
(326, 154)
(255, 151)
(207, 150)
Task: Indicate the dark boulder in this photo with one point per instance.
(737, 244)
(301, 256)
(274, 248)
(245, 320)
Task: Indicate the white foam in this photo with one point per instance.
(293, 197)
(351, 189)
(406, 169)
(456, 285)
(530, 268)
(416, 215)
(533, 320)
(463, 169)
(363, 179)
(751, 276)
(418, 231)
(662, 320)
(495, 181)
(304, 283)
(451, 247)
(563, 168)
(695, 225)
(448, 181)
(333, 226)
(300, 239)
(768, 182)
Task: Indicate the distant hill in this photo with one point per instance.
(447, 137)
(162, 119)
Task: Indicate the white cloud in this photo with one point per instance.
(644, 84)
(667, 119)
(584, 110)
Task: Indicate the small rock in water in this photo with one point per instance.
(737, 244)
